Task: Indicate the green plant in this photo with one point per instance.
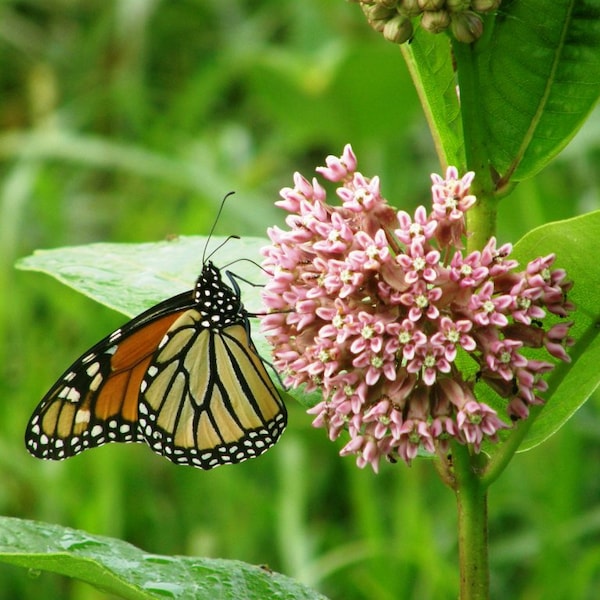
(506, 143)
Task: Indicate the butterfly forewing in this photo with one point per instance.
(184, 377)
(96, 399)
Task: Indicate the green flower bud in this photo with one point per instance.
(435, 22)
(398, 30)
(387, 3)
(377, 15)
(409, 8)
(457, 6)
(485, 5)
(467, 27)
(431, 4)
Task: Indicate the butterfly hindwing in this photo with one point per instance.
(212, 404)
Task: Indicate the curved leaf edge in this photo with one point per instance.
(571, 384)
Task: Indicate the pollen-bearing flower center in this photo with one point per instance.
(422, 301)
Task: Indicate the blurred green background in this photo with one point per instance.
(128, 121)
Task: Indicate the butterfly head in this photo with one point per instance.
(218, 303)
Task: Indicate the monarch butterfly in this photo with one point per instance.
(183, 377)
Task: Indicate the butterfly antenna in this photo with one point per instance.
(252, 262)
(212, 230)
(229, 237)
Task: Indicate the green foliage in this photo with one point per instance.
(570, 385)
(130, 278)
(430, 60)
(539, 77)
(128, 122)
(114, 566)
(534, 77)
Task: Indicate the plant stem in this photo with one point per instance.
(464, 473)
(471, 492)
(471, 501)
(482, 217)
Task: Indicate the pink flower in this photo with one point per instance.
(557, 340)
(404, 339)
(338, 169)
(452, 334)
(468, 272)
(414, 434)
(421, 300)
(420, 229)
(429, 360)
(375, 308)
(371, 252)
(477, 421)
(487, 308)
(503, 358)
(363, 195)
(419, 265)
(450, 203)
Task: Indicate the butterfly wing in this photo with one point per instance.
(184, 377)
(95, 401)
(207, 399)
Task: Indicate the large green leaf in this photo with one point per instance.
(539, 77)
(122, 569)
(575, 243)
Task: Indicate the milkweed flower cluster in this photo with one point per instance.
(377, 308)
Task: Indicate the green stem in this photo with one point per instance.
(482, 217)
(466, 473)
(471, 501)
(470, 488)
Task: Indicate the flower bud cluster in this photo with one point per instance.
(395, 324)
(395, 19)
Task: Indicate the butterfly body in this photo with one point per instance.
(183, 377)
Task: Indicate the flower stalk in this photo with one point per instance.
(471, 502)
(482, 219)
